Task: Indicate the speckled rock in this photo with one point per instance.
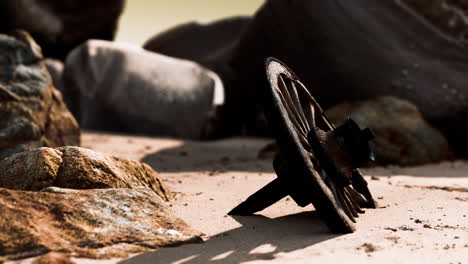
(59, 26)
(32, 111)
(76, 168)
(403, 137)
(105, 223)
(419, 54)
(122, 87)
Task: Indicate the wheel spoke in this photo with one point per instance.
(360, 185)
(297, 103)
(290, 102)
(349, 204)
(309, 112)
(356, 196)
(291, 116)
(354, 202)
(345, 205)
(308, 104)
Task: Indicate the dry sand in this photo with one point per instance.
(422, 219)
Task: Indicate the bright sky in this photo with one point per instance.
(142, 19)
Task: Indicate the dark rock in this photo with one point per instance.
(356, 50)
(32, 111)
(55, 69)
(76, 168)
(213, 45)
(402, 136)
(121, 87)
(199, 42)
(447, 16)
(59, 26)
(106, 223)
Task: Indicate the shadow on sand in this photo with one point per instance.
(259, 238)
(236, 154)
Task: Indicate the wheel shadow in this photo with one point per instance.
(259, 238)
(445, 169)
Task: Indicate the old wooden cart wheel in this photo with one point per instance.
(317, 163)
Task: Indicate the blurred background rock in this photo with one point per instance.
(142, 19)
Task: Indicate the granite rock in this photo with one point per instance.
(76, 168)
(32, 110)
(99, 223)
(121, 87)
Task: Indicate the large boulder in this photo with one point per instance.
(199, 42)
(213, 45)
(122, 87)
(59, 26)
(32, 111)
(402, 136)
(107, 223)
(357, 50)
(76, 168)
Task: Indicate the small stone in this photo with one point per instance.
(369, 247)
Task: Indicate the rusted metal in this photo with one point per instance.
(317, 163)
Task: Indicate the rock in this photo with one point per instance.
(340, 56)
(59, 26)
(32, 111)
(109, 223)
(403, 137)
(121, 87)
(199, 42)
(54, 258)
(55, 69)
(76, 168)
(446, 16)
(213, 45)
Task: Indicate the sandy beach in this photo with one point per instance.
(422, 214)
